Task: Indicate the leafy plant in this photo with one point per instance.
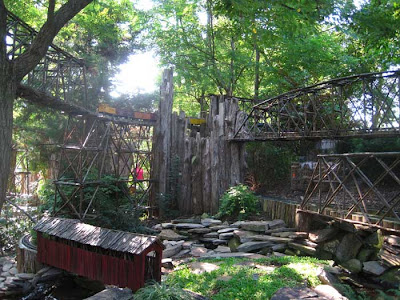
(238, 202)
(161, 291)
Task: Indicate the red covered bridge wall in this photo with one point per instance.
(96, 266)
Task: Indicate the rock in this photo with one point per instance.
(170, 235)
(237, 224)
(270, 238)
(188, 226)
(190, 220)
(327, 278)
(25, 276)
(344, 225)
(157, 227)
(279, 247)
(373, 267)
(208, 222)
(244, 236)
(253, 246)
(7, 267)
(187, 244)
(275, 224)
(236, 254)
(5, 274)
(220, 242)
(218, 227)
(329, 292)
(365, 254)
(182, 253)
(167, 225)
(113, 293)
(353, 265)
(222, 249)
(324, 255)
(322, 235)
(211, 235)
(305, 249)
(259, 226)
(348, 247)
(375, 239)
(284, 234)
(233, 244)
(333, 270)
(13, 271)
(202, 267)
(171, 251)
(226, 230)
(282, 229)
(299, 235)
(198, 251)
(226, 236)
(287, 293)
(331, 246)
(200, 230)
(2, 279)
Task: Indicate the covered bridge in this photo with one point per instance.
(110, 256)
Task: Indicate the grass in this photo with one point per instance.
(247, 282)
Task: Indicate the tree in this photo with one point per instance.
(13, 71)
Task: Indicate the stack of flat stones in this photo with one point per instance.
(213, 238)
(13, 283)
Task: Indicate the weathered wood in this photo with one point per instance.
(208, 162)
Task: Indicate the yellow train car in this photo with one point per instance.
(105, 108)
(197, 121)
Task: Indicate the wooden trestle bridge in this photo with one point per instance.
(95, 144)
(365, 105)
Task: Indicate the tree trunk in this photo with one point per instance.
(7, 96)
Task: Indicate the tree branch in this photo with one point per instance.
(28, 60)
(3, 33)
(50, 11)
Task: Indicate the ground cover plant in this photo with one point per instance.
(243, 279)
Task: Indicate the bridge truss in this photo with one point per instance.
(363, 184)
(97, 153)
(58, 74)
(366, 105)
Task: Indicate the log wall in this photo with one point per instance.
(202, 163)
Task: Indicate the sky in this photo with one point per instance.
(140, 73)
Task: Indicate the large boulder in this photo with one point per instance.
(348, 247)
(319, 236)
(353, 265)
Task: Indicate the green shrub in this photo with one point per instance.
(238, 202)
(161, 291)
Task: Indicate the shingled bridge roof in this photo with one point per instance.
(83, 233)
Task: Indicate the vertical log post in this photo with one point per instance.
(162, 145)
